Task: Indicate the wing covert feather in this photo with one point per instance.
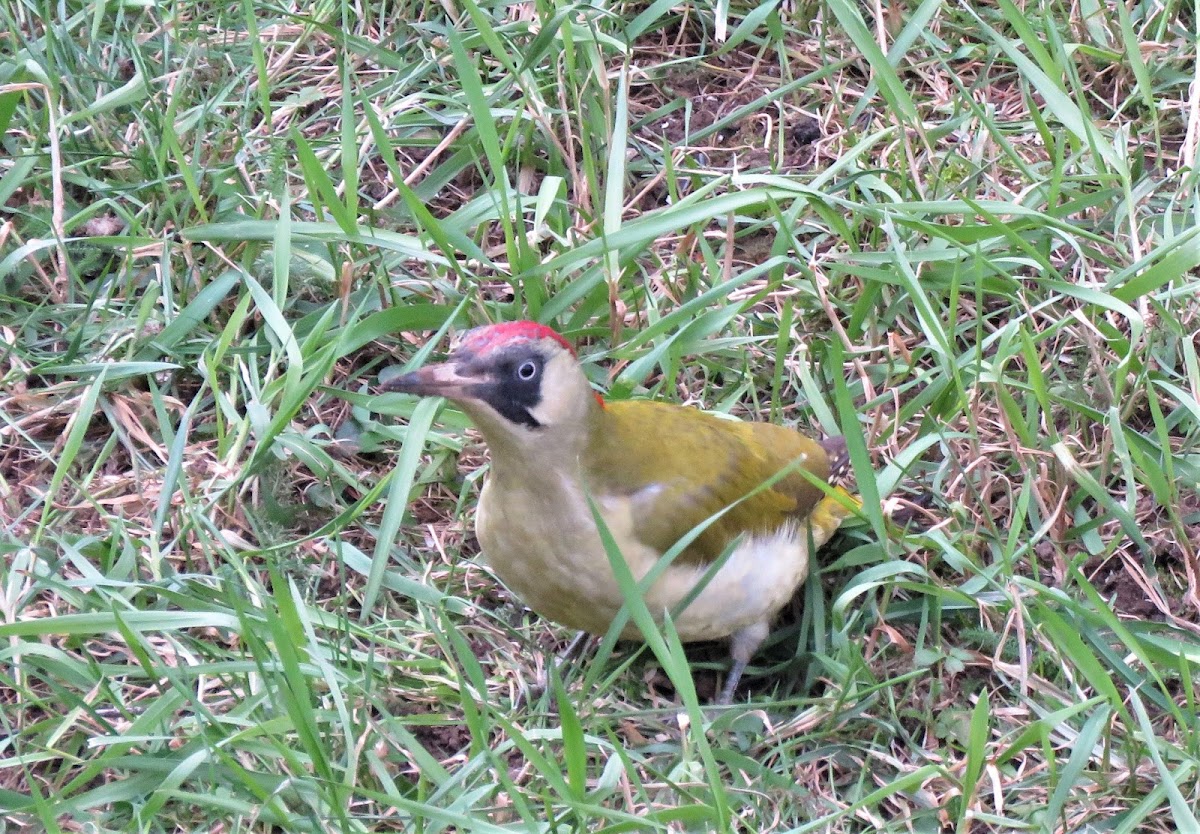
(700, 463)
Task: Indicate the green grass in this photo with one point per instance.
(237, 590)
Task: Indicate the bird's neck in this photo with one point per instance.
(545, 454)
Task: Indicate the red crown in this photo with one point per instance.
(485, 339)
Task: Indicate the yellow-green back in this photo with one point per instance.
(681, 465)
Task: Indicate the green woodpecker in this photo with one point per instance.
(654, 471)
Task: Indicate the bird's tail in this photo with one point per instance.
(910, 510)
(839, 459)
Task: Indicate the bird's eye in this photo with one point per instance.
(527, 370)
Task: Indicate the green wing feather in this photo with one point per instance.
(707, 464)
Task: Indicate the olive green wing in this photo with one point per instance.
(706, 464)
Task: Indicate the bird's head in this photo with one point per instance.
(519, 382)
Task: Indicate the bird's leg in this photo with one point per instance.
(742, 646)
(731, 681)
(572, 648)
(559, 661)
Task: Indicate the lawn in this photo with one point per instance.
(238, 587)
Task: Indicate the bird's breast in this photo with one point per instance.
(544, 546)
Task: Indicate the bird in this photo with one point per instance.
(654, 471)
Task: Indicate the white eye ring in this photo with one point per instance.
(527, 370)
